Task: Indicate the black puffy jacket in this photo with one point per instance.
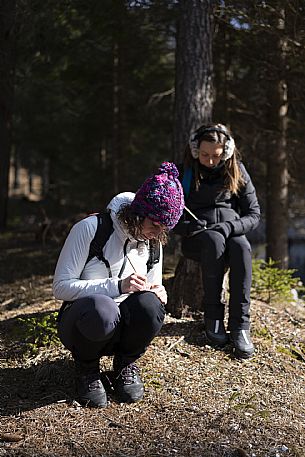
(215, 204)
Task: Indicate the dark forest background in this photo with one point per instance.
(94, 95)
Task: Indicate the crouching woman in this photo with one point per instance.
(114, 303)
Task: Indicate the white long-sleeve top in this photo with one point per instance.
(73, 278)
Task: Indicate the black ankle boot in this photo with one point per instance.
(243, 346)
(128, 384)
(89, 386)
(215, 331)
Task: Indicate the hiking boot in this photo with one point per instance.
(243, 346)
(215, 332)
(89, 386)
(128, 385)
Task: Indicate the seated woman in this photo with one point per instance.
(114, 304)
(219, 192)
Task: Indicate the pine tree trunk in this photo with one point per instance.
(193, 107)
(7, 44)
(193, 84)
(277, 168)
(186, 291)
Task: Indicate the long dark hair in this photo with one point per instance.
(233, 176)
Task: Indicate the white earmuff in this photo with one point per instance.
(228, 149)
(194, 146)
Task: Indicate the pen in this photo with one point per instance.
(131, 264)
(147, 288)
(190, 212)
(196, 219)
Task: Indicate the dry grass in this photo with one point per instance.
(198, 401)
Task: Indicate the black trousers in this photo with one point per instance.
(214, 253)
(96, 325)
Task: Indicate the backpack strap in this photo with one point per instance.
(186, 181)
(103, 231)
(154, 255)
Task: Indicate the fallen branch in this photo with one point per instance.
(175, 343)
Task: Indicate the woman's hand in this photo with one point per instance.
(134, 283)
(224, 228)
(160, 292)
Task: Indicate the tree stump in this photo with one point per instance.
(185, 291)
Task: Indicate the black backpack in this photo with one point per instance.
(102, 235)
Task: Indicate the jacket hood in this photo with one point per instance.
(125, 198)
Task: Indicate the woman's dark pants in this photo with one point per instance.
(96, 325)
(215, 253)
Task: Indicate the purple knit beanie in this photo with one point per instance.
(160, 198)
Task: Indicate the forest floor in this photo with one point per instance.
(198, 401)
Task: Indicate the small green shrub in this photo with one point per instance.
(39, 331)
(271, 283)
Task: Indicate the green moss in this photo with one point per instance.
(262, 332)
(287, 351)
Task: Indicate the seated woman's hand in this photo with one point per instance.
(190, 227)
(196, 226)
(225, 228)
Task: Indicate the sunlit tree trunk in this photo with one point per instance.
(194, 67)
(193, 107)
(223, 74)
(277, 168)
(7, 44)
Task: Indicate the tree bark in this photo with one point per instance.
(7, 47)
(194, 68)
(193, 107)
(186, 291)
(277, 167)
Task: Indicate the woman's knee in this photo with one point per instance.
(239, 245)
(99, 319)
(151, 306)
(144, 307)
(204, 246)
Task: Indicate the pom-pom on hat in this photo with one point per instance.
(160, 198)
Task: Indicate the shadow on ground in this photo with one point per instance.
(193, 333)
(25, 258)
(36, 386)
(51, 381)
